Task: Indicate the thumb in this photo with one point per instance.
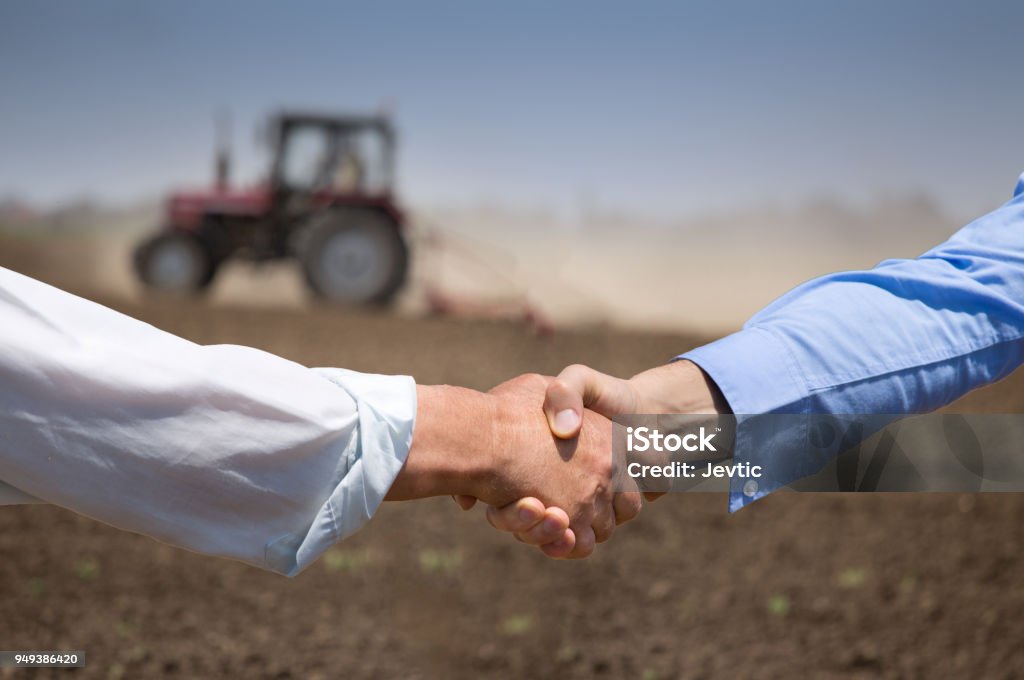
(579, 386)
(563, 407)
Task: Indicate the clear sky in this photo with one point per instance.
(664, 108)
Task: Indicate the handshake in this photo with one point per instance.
(538, 450)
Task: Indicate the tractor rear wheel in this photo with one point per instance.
(176, 263)
(355, 257)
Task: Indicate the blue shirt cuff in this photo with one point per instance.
(754, 370)
(756, 374)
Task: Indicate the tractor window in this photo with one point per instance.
(368, 147)
(362, 165)
(307, 158)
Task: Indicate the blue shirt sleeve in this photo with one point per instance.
(908, 336)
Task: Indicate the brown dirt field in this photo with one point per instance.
(825, 586)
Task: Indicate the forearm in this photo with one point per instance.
(908, 336)
(452, 444)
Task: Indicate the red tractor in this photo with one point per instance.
(327, 203)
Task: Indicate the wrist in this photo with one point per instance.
(498, 476)
(452, 448)
(678, 387)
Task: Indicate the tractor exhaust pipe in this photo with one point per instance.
(222, 157)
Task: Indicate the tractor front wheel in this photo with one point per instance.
(356, 257)
(176, 263)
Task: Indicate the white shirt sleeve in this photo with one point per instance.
(220, 449)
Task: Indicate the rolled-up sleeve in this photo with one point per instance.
(908, 336)
(222, 449)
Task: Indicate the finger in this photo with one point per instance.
(603, 524)
(627, 506)
(464, 502)
(562, 548)
(548, 530)
(520, 516)
(585, 543)
(653, 495)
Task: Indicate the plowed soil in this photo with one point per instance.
(797, 585)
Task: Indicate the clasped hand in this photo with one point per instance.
(565, 504)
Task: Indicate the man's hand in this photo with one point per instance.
(531, 522)
(497, 447)
(587, 498)
(679, 387)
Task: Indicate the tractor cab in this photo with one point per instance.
(327, 203)
(317, 155)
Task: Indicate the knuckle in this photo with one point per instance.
(586, 541)
(535, 536)
(533, 380)
(575, 370)
(495, 519)
(559, 390)
(627, 509)
(602, 534)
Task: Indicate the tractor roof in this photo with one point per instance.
(343, 122)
